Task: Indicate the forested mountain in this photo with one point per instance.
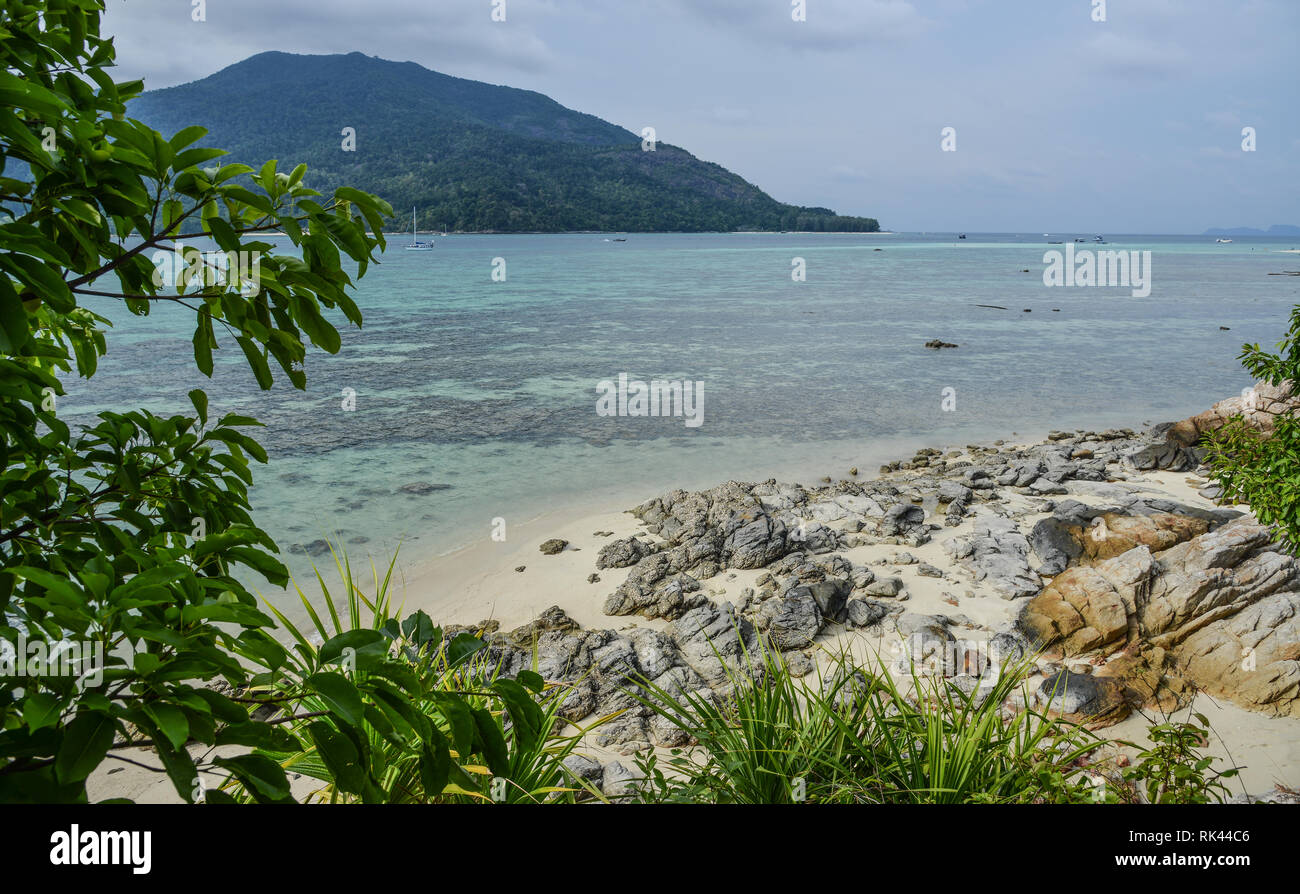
(470, 156)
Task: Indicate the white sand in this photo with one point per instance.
(480, 583)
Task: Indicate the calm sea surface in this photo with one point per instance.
(489, 388)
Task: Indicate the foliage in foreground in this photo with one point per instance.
(855, 736)
(389, 712)
(1264, 472)
(120, 543)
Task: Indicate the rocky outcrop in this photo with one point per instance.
(623, 553)
(1222, 607)
(997, 552)
(1145, 598)
(1173, 446)
(1078, 532)
(1259, 407)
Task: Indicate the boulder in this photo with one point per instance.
(794, 620)
(623, 553)
(1083, 698)
(1220, 611)
(995, 551)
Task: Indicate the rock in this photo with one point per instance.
(793, 620)
(422, 488)
(1224, 606)
(1259, 406)
(708, 636)
(936, 344)
(885, 586)
(925, 645)
(1086, 607)
(830, 595)
(1167, 455)
(1083, 699)
(952, 491)
(997, 552)
(619, 782)
(623, 553)
(655, 588)
(901, 518)
(926, 570)
(865, 612)
(593, 578)
(520, 567)
(798, 664)
(315, 548)
(754, 542)
(584, 768)
(1078, 532)
(552, 547)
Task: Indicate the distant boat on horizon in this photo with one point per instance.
(1223, 240)
(416, 244)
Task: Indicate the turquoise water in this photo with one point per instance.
(490, 387)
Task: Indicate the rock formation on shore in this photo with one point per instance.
(1135, 598)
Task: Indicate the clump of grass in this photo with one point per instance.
(856, 736)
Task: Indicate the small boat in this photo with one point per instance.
(1100, 240)
(620, 240)
(416, 244)
(1224, 241)
(962, 236)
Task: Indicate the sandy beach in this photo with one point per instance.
(482, 583)
(511, 582)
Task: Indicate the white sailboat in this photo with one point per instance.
(416, 244)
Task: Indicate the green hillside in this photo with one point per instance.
(470, 156)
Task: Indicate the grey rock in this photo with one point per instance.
(623, 553)
(585, 768)
(885, 586)
(793, 620)
(997, 552)
(865, 612)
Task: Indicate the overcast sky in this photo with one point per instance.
(1062, 123)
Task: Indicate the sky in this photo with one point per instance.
(1061, 122)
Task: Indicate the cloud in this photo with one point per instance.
(1124, 55)
(829, 24)
(170, 47)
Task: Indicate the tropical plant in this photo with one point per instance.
(389, 712)
(1173, 770)
(856, 736)
(1264, 470)
(130, 538)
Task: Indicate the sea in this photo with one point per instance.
(470, 398)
